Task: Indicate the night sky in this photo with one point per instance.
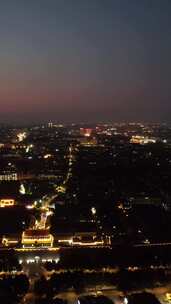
(85, 60)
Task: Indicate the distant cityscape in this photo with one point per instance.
(85, 213)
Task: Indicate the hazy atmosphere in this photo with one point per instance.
(93, 60)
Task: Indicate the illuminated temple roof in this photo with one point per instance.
(36, 232)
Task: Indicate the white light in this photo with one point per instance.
(47, 156)
(30, 207)
(57, 260)
(93, 210)
(48, 213)
(21, 136)
(125, 300)
(22, 189)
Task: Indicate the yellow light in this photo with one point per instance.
(168, 296)
(89, 244)
(7, 203)
(32, 240)
(21, 136)
(61, 189)
(65, 241)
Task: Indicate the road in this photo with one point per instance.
(45, 212)
(34, 271)
(115, 295)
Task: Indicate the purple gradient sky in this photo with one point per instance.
(85, 60)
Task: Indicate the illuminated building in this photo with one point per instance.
(10, 240)
(50, 125)
(7, 202)
(22, 189)
(1, 145)
(21, 136)
(37, 238)
(87, 241)
(86, 132)
(8, 176)
(137, 139)
(80, 239)
(65, 239)
(88, 141)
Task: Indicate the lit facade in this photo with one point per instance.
(86, 131)
(88, 141)
(10, 240)
(79, 239)
(7, 202)
(37, 238)
(142, 140)
(8, 176)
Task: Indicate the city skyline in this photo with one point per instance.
(90, 61)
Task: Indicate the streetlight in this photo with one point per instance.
(93, 210)
(125, 301)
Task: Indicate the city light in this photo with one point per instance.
(125, 301)
(21, 136)
(22, 189)
(93, 210)
(46, 156)
(30, 207)
(86, 201)
(7, 202)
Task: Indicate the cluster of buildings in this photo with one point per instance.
(85, 165)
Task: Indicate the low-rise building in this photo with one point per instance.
(37, 238)
(7, 202)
